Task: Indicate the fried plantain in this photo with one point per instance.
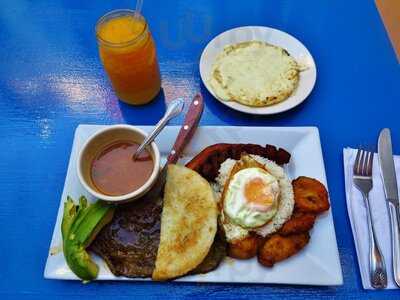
(278, 248)
(310, 195)
(298, 223)
(245, 248)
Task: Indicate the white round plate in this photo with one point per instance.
(271, 36)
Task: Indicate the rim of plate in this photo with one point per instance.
(306, 82)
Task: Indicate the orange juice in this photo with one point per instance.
(128, 53)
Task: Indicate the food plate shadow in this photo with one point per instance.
(216, 285)
(152, 111)
(227, 114)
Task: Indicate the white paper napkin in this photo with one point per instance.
(358, 219)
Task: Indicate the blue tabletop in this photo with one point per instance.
(51, 80)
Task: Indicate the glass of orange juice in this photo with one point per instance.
(128, 53)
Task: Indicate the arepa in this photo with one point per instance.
(254, 73)
(188, 223)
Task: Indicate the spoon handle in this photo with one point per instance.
(188, 128)
(173, 109)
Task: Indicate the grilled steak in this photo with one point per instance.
(130, 241)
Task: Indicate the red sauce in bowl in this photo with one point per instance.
(113, 172)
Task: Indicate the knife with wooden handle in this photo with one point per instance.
(185, 134)
(188, 128)
(392, 196)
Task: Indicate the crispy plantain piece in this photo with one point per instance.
(245, 248)
(278, 248)
(298, 223)
(310, 195)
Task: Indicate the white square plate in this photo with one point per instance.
(317, 264)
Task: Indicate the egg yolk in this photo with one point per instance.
(259, 195)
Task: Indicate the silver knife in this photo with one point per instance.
(392, 196)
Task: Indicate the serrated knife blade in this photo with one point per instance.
(387, 166)
(388, 173)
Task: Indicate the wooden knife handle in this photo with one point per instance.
(188, 128)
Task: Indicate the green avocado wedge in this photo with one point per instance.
(80, 225)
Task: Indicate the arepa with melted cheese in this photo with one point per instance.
(188, 223)
(254, 73)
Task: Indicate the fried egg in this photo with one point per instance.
(251, 197)
(255, 195)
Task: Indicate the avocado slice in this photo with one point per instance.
(79, 227)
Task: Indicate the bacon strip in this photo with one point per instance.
(208, 161)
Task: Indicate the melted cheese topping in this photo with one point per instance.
(254, 73)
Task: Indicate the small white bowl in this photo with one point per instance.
(99, 141)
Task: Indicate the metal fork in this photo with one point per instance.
(362, 179)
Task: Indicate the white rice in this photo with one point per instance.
(286, 203)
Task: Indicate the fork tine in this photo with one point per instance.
(356, 167)
(363, 164)
(370, 163)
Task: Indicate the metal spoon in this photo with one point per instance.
(173, 109)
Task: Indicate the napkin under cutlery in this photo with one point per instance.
(358, 218)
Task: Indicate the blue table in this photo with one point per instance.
(51, 80)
